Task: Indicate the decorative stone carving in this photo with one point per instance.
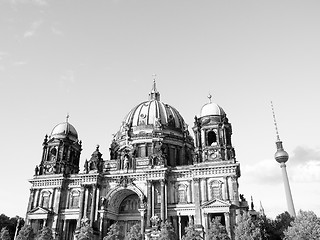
(124, 181)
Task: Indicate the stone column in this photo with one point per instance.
(36, 198)
(52, 199)
(189, 196)
(227, 220)
(162, 183)
(56, 209)
(196, 187)
(206, 223)
(86, 201)
(93, 203)
(97, 203)
(142, 211)
(179, 225)
(31, 199)
(101, 225)
(81, 206)
(153, 201)
(149, 209)
(165, 200)
(65, 235)
(68, 198)
(203, 190)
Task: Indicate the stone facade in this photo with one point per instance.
(155, 168)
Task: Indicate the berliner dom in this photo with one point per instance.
(155, 170)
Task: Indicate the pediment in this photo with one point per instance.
(39, 211)
(216, 203)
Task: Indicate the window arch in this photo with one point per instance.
(212, 138)
(74, 199)
(182, 193)
(45, 195)
(216, 189)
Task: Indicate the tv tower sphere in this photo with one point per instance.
(281, 155)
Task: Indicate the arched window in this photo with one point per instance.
(215, 187)
(212, 138)
(45, 199)
(182, 193)
(74, 199)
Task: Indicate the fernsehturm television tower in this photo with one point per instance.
(282, 157)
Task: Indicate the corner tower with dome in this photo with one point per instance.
(155, 172)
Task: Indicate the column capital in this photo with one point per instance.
(162, 182)
(196, 180)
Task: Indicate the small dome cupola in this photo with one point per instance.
(64, 130)
(61, 151)
(213, 132)
(211, 109)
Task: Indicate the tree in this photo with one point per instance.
(217, 231)
(167, 232)
(114, 233)
(86, 233)
(305, 226)
(10, 223)
(135, 233)
(45, 234)
(191, 233)
(26, 233)
(4, 234)
(248, 228)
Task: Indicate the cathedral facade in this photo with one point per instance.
(155, 170)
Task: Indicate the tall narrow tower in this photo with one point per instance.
(282, 157)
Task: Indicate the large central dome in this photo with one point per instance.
(154, 129)
(154, 113)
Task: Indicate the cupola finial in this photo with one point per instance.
(67, 117)
(209, 97)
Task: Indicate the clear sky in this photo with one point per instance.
(95, 60)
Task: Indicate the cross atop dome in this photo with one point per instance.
(154, 94)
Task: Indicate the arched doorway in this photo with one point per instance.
(125, 207)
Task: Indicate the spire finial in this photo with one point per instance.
(209, 97)
(275, 122)
(67, 117)
(154, 94)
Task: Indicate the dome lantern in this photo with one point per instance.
(154, 94)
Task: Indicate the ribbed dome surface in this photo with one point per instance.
(150, 112)
(63, 130)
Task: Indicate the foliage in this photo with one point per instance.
(26, 233)
(10, 223)
(135, 233)
(305, 226)
(45, 234)
(248, 228)
(217, 231)
(4, 234)
(275, 228)
(167, 232)
(114, 233)
(86, 233)
(191, 233)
